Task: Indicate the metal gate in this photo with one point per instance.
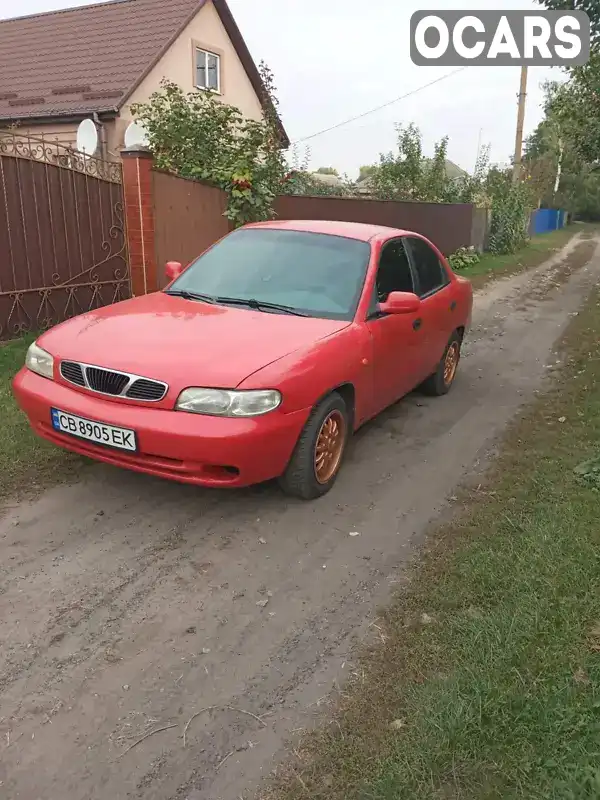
(63, 247)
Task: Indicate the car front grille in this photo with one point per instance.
(143, 389)
(72, 372)
(110, 382)
(102, 380)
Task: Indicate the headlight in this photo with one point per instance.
(223, 403)
(39, 361)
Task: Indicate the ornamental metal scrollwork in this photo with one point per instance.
(34, 148)
(63, 249)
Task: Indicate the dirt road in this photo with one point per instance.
(128, 605)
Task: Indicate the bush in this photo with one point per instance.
(197, 136)
(509, 228)
(463, 257)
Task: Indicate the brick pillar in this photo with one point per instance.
(139, 218)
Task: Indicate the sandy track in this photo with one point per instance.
(128, 604)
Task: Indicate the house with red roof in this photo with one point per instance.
(61, 67)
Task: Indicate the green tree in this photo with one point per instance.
(591, 7)
(328, 171)
(545, 158)
(407, 175)
(576, 104)
(577, 101)
(400, 174)
(560, 174)
(197, 136)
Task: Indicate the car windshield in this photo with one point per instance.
(313, 274)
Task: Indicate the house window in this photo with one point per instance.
(208, 71)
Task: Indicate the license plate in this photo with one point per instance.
(97, 432)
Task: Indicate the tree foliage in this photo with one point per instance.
(591, 7)
(511, 206)
(197, 136)
(300, 181)
(563, 146)
(576, 103)
(407, 174)
(569, 135)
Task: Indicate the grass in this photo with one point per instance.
(535, 253)
(25, 460)
(487, 686)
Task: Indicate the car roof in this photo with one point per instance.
(351, 230)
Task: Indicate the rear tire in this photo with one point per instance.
(442, 379)
(319, 452)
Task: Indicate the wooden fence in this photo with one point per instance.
(447, 225)
(78, 233)
(188, 218)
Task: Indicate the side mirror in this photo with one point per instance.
(173, 269)
(400, 303)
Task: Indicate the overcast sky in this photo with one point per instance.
(334, 59)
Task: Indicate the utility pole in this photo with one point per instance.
(520, 120)
(478, 147)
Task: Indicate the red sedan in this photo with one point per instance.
(258, 360)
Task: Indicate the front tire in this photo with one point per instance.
(318, 455)
(442, 379)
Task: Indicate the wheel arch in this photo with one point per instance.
(347, 391)
(348, 394)
(299, 478)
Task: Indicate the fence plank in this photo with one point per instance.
(188, 217)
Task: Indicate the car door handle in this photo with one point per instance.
(453, 305)
(417, 324)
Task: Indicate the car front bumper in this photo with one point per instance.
(190, 448)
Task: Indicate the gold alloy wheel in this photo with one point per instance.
(451, 363)
(330, 446)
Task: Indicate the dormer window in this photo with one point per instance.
(208, 71)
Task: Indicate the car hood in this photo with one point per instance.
(184, 342)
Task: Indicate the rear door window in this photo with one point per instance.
(431, 274)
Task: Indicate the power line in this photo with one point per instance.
(379, 108)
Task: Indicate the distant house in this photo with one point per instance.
(327, 178)
(364, 185)
(453, 171)
(61, 67)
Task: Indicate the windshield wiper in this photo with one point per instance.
(259, 305)
(205, 298)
